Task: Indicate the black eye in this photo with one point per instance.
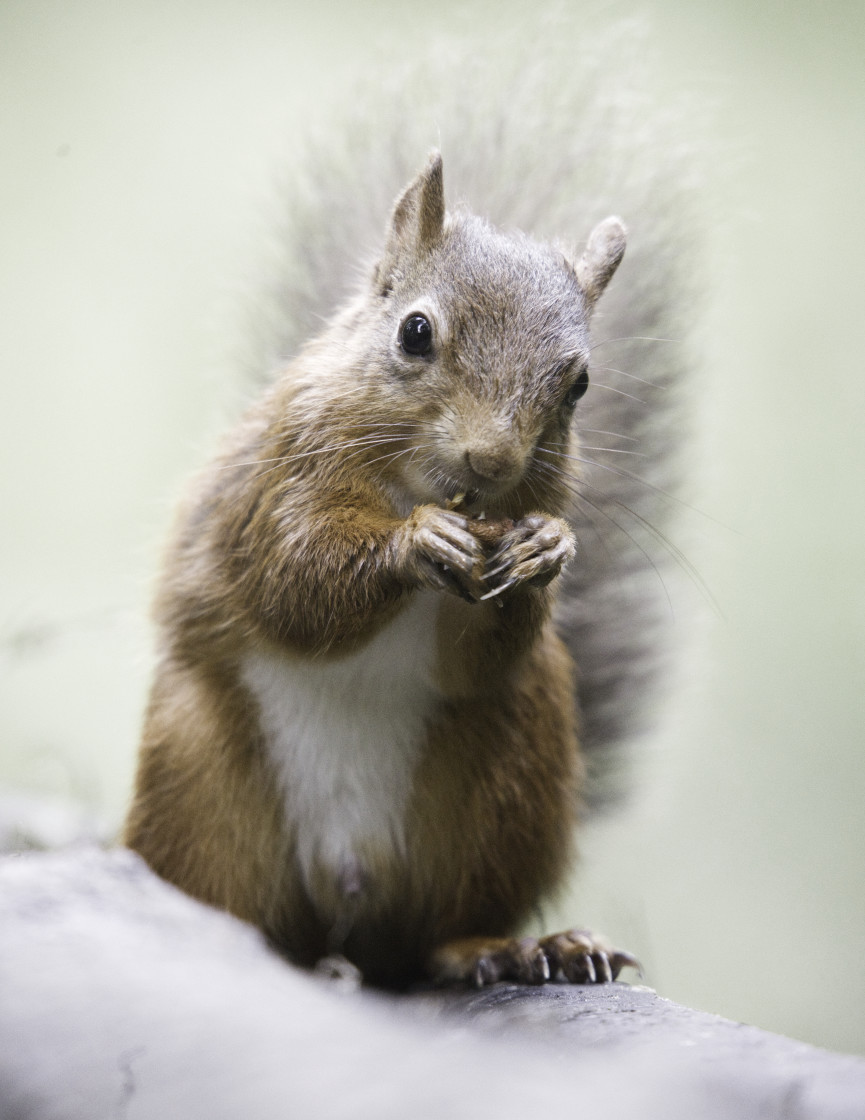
(415, 336)
(577, 389)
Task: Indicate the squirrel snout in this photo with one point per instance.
(500, 464)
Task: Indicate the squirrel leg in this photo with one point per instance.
(576, 956)
(532, 553)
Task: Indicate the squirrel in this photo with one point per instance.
(363, 734)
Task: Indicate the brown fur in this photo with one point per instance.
(337, 498)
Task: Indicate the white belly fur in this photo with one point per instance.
(345, 736)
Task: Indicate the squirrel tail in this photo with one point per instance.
(547, 132)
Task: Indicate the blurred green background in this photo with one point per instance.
(139, 144)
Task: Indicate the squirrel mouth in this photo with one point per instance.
(457, 497)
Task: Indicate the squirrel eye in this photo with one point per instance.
(577, 389)
(416, 335)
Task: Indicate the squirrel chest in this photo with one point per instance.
(344, 736)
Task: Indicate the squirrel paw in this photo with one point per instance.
(532, 553)
(439, 551)
(576, 957)
(581, 957)
(335, 968)
(485, 960)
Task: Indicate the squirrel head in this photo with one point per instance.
(480, 339)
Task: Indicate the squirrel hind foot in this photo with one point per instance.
(575, 957)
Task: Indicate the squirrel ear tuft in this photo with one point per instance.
(604, 250)
(418, 216)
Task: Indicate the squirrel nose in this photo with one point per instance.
(494, 464)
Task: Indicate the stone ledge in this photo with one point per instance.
(773, 1075)
(122, 998)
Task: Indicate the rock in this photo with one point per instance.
(123, 999)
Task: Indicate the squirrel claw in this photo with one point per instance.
(484, 973)
(450, 583)
(576, 957)
(620, 959)
(498, 590)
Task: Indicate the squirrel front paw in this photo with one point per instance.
(436, 549)
(532, 554)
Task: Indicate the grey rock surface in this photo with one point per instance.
(768, 1074)
(121, 998)
(31, 822)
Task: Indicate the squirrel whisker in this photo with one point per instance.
(633, 376)
(621, 392)
(603, 432)
(687, 566)
(631, 338)
(573, 485)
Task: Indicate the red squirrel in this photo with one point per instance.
(362, 733)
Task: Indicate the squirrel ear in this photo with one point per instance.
(417, 217)
(605, 248)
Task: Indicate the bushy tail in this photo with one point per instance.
(549, 134)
